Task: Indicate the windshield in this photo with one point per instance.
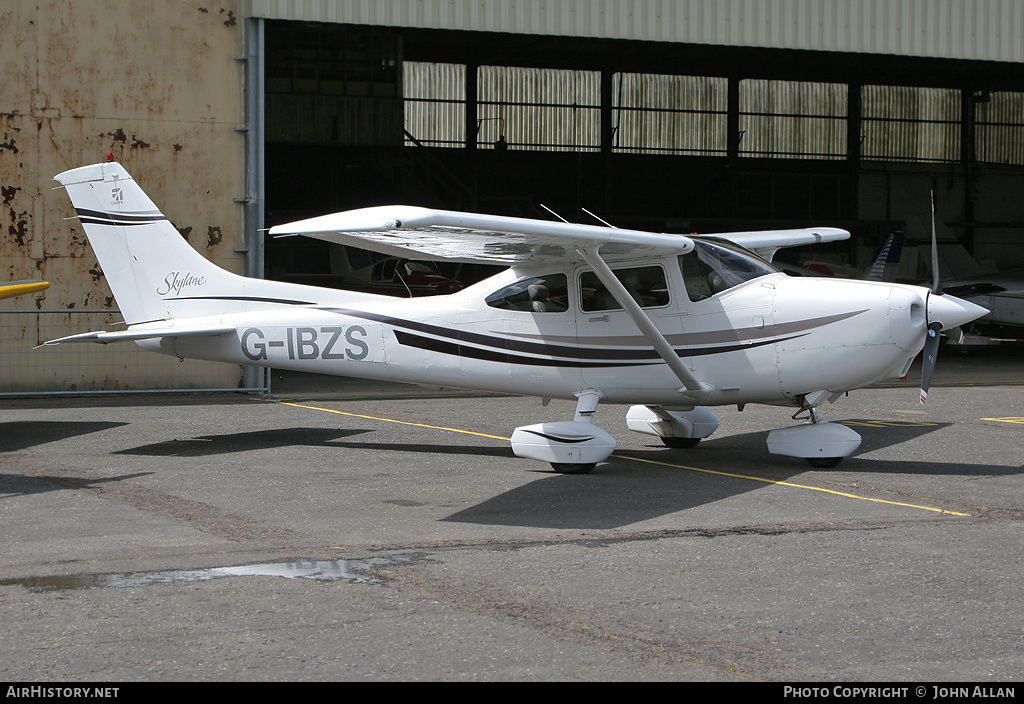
(713, 267)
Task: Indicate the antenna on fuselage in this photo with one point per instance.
(600, 220)
(553, 213)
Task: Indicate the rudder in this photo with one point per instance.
(142, 255)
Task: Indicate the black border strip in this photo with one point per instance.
(99, 217)
(503, 346)
(567, 441)
(456, 350)
(252, 299)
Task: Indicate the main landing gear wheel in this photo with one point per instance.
(823, 462)
(680, 442)
(566, 468)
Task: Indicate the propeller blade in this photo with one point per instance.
(936, 282)
(931, 343)
(931, 351)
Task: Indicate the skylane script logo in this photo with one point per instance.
(176, 281)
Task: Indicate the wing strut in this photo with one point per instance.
(691, 385)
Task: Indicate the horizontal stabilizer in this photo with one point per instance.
(145, 332)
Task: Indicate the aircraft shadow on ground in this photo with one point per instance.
(20, 484)
(23, 434)
(207, 445)
(623, 490)
(620, 491)
(227, 443)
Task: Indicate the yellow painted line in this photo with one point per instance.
(637, 459)
(1008, 419)
(392, 420)
(791, 484)
(887, 423)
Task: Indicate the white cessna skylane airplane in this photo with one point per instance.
(598, 314)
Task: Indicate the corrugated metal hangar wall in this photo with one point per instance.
(671, 115)
(157, 86)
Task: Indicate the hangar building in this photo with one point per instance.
(666, 115)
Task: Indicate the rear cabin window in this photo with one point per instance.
(645, 284)
(535, 294)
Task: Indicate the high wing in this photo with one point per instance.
(473, 238)
(766, 242)
(403, 231)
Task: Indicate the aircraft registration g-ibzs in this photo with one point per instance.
(670, 324)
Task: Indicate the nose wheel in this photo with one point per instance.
(563, 468)
(680, 443)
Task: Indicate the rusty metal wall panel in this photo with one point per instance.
(157, 86)
(962, 29)
(89, 367)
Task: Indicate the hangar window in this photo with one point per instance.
(435, 104)
(658, 114)
(312, 59)
(645, 284)
(908, 123)
(327, 84)
(534, 294)
(792, 119)
(999, 127)
(539, 108)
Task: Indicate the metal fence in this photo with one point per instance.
(90, 368)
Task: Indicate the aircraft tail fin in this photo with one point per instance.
(887, 263)
(146, 261)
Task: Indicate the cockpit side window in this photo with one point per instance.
(713, 267)
(535, 294)
(645, 284)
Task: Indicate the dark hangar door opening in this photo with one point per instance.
(656, 136)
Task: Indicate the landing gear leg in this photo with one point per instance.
(673, 428)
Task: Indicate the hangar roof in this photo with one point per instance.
(987, 30)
